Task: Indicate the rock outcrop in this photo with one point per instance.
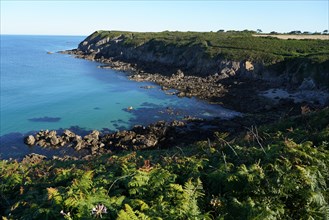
(94, 143)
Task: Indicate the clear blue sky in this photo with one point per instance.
(84, 17)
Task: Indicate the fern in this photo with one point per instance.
(192, 191)
(54, 195)
(129, 213)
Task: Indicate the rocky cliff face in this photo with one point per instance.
(158, 57)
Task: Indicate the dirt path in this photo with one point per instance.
(290, 36)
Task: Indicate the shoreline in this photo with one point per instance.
(236, 93)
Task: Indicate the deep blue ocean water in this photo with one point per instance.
(56, 91)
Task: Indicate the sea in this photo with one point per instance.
(42, 89)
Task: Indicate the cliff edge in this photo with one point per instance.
(287, 62)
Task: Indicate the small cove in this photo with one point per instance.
(41, 90)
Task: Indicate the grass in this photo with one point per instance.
(229, 45)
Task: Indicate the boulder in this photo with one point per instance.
(151, 141)
(78, 143)
(179, 74)
(54, 140)
(177, 123)
(33, 158)
(68, 133)
(29, 140)
(41, 143)
(249, 66)
(52, 134)
(93, 136)
(307, 84)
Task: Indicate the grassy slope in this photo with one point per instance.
(280, 173)
(232, 45)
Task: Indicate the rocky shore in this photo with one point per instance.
(160, 135)
(233, 85)
(227, 88)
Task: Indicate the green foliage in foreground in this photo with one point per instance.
(231, 45)
(276, 172)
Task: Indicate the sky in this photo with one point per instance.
(84, 17)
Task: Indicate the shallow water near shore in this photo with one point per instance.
(42, 90)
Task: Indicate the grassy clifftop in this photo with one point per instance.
(228, 45)
(208, 53)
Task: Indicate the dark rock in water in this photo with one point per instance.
(161, 134)
(29, 140)
(33, 158)
(97, 108)
(45, 119)
(147, 87)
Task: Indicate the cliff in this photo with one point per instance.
(225, 54)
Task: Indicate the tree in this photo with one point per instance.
(325, 32)
(259, 31)
(295, 32)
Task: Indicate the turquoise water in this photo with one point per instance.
(54, 91)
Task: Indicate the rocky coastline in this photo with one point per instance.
(234, 85)
(159, 135)
(228, 88)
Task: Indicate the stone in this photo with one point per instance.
(249, 66)
(33, 158)
(179, 74)
(69, 133)
(147, 87)
(150, 141)
(52, 134)
(41, 143)
(54, 141)
(307, 84)
(177, 123)
(79, 143)
(29, 140)
(94, 135)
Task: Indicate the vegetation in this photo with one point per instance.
(279, 171)
(232, 45)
